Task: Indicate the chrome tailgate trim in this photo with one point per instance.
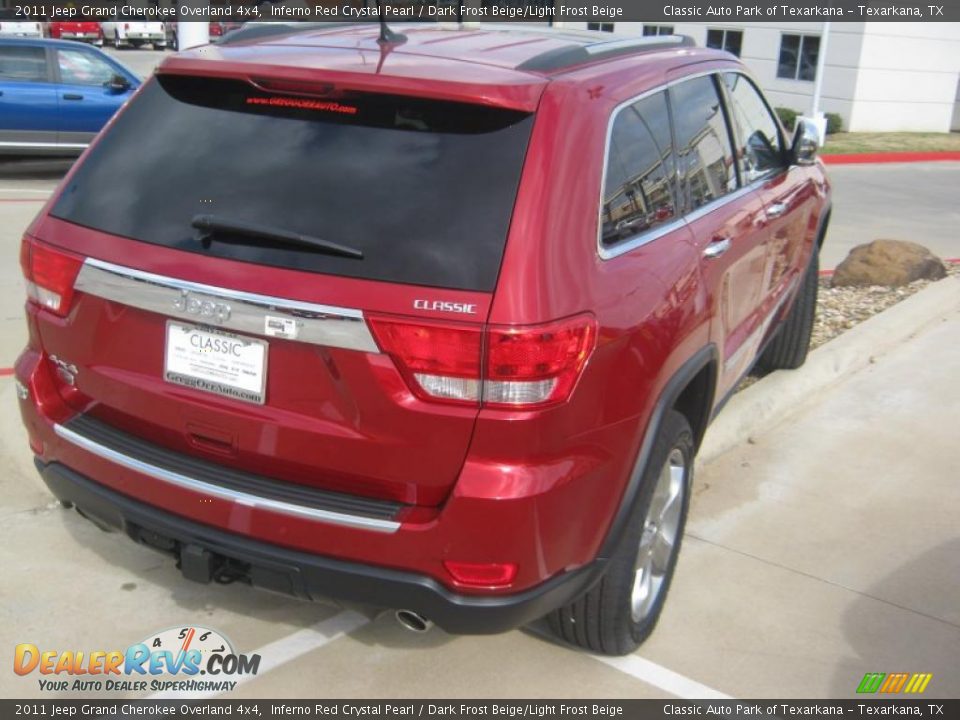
(243, 312)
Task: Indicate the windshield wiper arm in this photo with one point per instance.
(212, 224)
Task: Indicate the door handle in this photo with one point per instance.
(717, 247)
(776, 210)
(72, 96)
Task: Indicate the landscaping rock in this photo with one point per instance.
(888, 263)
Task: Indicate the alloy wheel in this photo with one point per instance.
(660, 534)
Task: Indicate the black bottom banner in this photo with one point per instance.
(633, 709)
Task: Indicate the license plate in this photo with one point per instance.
(216, 362)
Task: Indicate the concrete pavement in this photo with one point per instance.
(844, 516)
(142, 62)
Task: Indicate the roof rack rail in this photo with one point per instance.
(253, 31)
(565, 57)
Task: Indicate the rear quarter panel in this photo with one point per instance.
(649, 305)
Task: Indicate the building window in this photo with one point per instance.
(729, 40)
(603, 27)
(658, 29)
(798, 57)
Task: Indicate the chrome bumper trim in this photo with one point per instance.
(241, 498)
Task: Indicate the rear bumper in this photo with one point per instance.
(203, 550)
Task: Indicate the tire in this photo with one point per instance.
(789, 347)
(615, 616)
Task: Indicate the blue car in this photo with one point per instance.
(55, 95)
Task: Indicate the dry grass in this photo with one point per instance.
(843, 143)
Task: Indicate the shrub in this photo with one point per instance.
(787, 116)
(789, 119)
(834, 123)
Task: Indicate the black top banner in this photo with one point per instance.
(551, 11)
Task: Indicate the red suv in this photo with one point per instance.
(432, 322)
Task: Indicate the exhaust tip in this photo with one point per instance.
(413, 621)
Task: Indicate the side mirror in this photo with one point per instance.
(118, 84)
(806, 142)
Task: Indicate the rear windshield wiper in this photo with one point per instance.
(212, 225)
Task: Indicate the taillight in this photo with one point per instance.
(439, 362)
(538, 365)
(503, 367)
(50, 275)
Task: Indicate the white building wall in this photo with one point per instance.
(878, 76)
(908, 77)
(761, 53)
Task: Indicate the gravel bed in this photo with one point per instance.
(839, 309)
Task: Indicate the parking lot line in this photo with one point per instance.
(662, 678)
(279, 652)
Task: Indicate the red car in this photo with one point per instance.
(83, 31)
(431, 322)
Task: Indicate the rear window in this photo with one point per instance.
(424, 189)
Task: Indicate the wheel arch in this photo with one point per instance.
(691, 392)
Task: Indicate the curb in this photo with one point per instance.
(772, 399)
(889, 157)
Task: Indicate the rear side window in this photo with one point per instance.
(759, 144)
(638, 188)
(424, 189)
(23, 63)
(705, 156)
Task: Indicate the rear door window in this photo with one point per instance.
(423, 188)
(23, 63)
(704, 152)
(638, 187)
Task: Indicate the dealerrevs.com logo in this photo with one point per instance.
(183, 659)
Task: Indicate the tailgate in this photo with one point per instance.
(257, 349)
